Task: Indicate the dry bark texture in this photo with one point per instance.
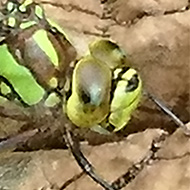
(52, 169)
(156, 36)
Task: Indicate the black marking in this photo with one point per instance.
(103, 1)
(15, 94)
(132, 83)
(112, 45)
(2, 42)
(120, 74)
(115, 81)
(110, 127)
(85, 97)
(69, 74)
(55, 32)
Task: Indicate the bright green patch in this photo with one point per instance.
(25, 25)
(19, 77)
(4, 88)
(52, 100)
(45, 44)
(39, 11)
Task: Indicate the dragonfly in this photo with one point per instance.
(41, 73)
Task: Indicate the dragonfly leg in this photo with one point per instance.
(166, 110)
(86, 166)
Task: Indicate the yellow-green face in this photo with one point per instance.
(106, 104)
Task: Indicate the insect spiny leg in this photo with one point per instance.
(74, 146)
(166, 110)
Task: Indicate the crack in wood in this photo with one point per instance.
(70, 7)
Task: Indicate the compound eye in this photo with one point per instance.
(132, 83)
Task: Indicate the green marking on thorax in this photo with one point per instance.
(45, 44)
(52, 100)
(10, 6)
(39, 11)
(27, 2)
(28, 24)
(22, 8)
(20, 77)
(4, 88)
(11, 21)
